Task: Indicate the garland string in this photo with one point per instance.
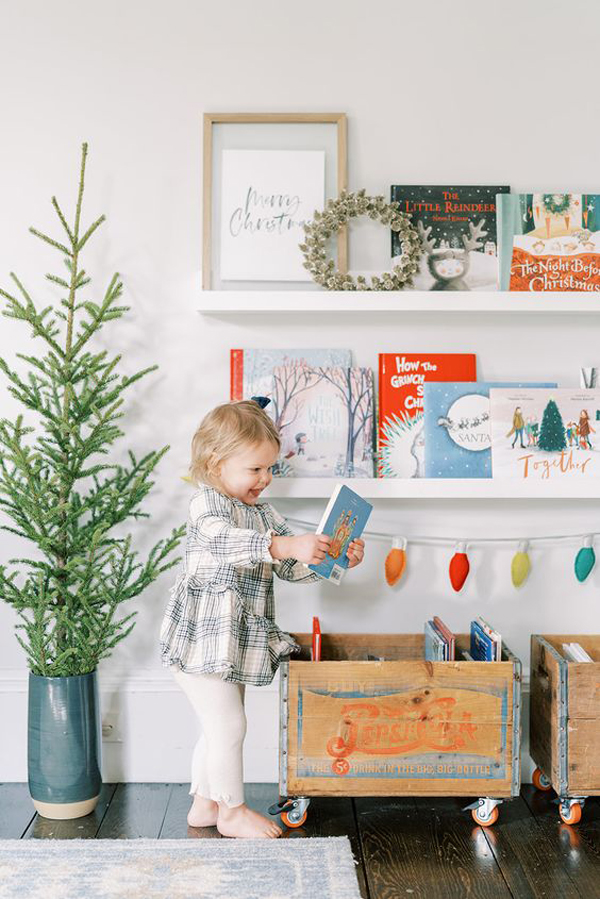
(451, 541)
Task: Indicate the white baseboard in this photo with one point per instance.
(153, 729)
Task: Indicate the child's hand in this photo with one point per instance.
(356, 552)
(310, 548)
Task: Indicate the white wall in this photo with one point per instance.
(435, 92)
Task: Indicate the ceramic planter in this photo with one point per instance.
(64, 745)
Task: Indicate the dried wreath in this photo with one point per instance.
(335, 215)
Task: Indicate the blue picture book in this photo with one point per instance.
(482, 646)
(457, 430)
(344, 519)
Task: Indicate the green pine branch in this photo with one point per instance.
(59, 489)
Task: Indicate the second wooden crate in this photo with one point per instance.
(564, 732)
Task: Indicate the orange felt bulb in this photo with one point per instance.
(395, 561)
(459, 567)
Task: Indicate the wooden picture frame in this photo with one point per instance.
(338, 164)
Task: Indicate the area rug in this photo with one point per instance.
(178, 869)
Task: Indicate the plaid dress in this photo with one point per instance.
(220, 617)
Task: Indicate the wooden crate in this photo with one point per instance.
(398, 727)
(564, 725)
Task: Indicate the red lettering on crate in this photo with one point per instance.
(401, 728)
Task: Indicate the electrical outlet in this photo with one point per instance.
(111, 730)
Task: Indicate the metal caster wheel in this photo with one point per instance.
(484, 820)
(540, 781)
(571, 814)
(293, 818)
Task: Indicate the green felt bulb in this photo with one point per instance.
(520, 567)
(584, 562)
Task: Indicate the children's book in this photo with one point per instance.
(448, 636)
(343, 520)
(251, 370)
(325, 420)
(458, 436)
(401, 447)
(549, 241)
(457, 226)
(545, 434)
(435, 646)
(486, 644)
(439, 641)
(316, 640)
(575, 652)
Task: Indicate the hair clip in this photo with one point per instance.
(262, 401)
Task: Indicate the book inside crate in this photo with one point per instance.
(384, 647)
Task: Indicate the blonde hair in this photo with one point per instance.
(223, 431)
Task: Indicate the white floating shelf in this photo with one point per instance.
(433, 488)
(276, 302)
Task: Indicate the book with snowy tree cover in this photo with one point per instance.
(458, 435)
(325, 420)
(549, 241)
(545, 434)
(251, 370)
(457, 226)
(401, 447)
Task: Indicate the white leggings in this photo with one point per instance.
(217, 764)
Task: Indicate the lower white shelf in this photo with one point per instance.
(433, 488)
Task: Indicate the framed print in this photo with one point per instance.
(264, 176)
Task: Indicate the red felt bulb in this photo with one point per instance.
(459, 567)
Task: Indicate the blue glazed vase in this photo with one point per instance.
(64, 745)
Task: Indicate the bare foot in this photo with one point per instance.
(203, 813)
(243, 822)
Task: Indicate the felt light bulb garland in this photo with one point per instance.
(520, 565)
(459, 567)
(395, 562)
(585, 560)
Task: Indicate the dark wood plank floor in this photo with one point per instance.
(404, 847)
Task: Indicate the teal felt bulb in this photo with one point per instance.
(584, 562)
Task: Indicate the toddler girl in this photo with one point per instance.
(219, 630)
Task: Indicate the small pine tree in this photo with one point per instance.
(552, 431)
(70, 595)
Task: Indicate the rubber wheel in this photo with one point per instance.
(295, 821)
(574, 815)
(485, 822)
(540, 781)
